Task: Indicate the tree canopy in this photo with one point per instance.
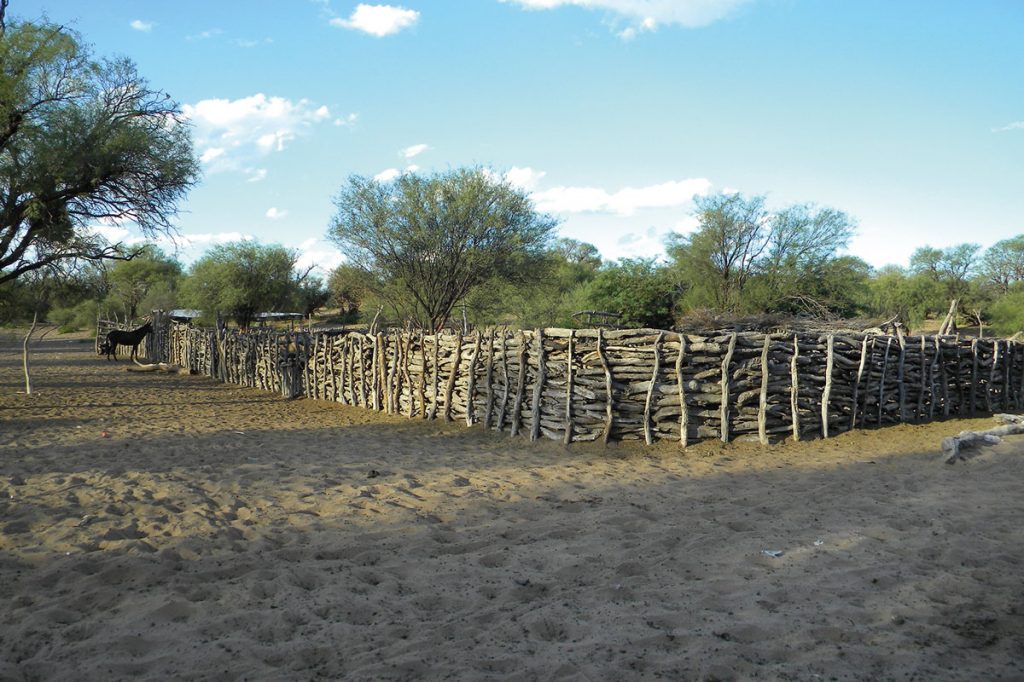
(243, 279)
(436, 238)
(82, 141)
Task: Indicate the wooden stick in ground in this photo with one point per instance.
(762, 403)
(517, 407)
(648, 431)
(856, 385)
(506, 388)
(989, 403)
(450, 388)
(471, 387)
(726, 378)
(489, 379)
(538, 387)
(435, 387)
(684, 424)
(881, 382)
(567, 438)
(794, 389)
(826, 394)
(609, 411)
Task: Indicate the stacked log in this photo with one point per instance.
(579, 384)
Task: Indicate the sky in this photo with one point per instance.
(612, 114)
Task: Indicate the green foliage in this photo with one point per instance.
(428, 241)
(1003, 264)
(81, 140)
(75, 318)
(242, 279)
(149, 277)
(643, 292)
(1007, 313)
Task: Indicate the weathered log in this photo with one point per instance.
(762, 403)
(826, 392)
(794, 395)
(539, 385)
(567, 424)
(517, 407)
(953, 446)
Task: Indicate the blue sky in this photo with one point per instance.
(907, 115)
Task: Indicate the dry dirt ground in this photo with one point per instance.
(158, 527)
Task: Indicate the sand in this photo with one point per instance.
(157, 527)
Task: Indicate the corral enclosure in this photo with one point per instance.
(584, 385)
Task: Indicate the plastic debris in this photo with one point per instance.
(773, 553)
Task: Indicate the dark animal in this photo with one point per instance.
(133, 338)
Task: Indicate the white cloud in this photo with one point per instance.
(203, 238)
(1016, 125)
(140, 25)
(387, 175)
(411, 168)
(647, 15)
(524, 178)
(623, 202)
(378, 20)
(349, 120)
(211, 153)
(227, 131)
(275, 213)
(240, 42)
(414, 150)
(203, 35)
(256, 174)
(320, 255)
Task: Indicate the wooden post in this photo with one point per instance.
(648, 431)
(794, 389)
(506, 388)
(989, 403)
(881, 382)
(609, 411)
(421, 384)
(762, 404)
(899, 378)
(941, 355)
(921, 392)
(517, 407)
(489, 378)
(974, 375)
(450, 388)
(471, 388)
(684, 424)
(568, 389)
(725, 388)
(827, 392)
(435, 388)
(856, 385)
(538, 387)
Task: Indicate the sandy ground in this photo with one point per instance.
(224, 533)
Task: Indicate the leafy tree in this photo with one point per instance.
(150, 272)
(1007, 313)
(1003, 264)
(436, 238)
(952, 268)
(81, 141)
(243, 279)
(312, 295)
(641, 290)
(743, 258)
(349, 286)
(723, 253)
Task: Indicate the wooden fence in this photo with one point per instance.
(583, 385)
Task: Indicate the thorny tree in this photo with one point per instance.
(436, 238)
(82, 142)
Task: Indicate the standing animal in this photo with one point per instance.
(133, 338)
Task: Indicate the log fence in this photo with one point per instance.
(596, 384)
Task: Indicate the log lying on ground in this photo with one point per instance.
(952, 445)
(157, 367)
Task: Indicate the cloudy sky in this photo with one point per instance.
(907, 115)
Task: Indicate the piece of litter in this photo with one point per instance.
(819, 543)
(240, 433)
(773, 553)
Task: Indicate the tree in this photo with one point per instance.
(951, 267)
(1003, 264)
(436, 238)
(722, 254)
(81, 141)
(348, 286)
(243, 279)
(639, 289)
(132, 281)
